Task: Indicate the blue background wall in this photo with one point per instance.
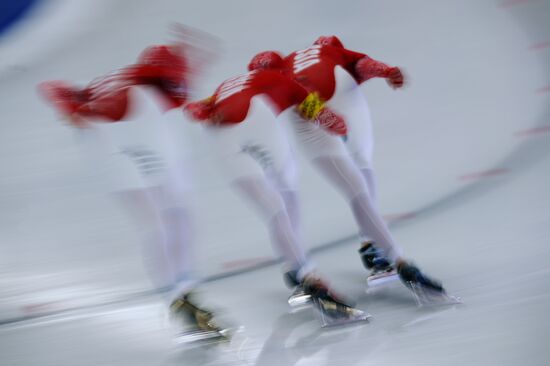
(11, 11)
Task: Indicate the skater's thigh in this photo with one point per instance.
(242, 165)
(175, 189)
(359, 141)
(260, 193)
(135, 167)
(314, 141)
(284, 176)
(273, 153)
(264, 139)
(234, 160)
(342, 173)
(252, 148)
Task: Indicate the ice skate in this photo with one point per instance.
(382, 272)
(299, 299)
(427, 292)
(331, 310)
(198, 326)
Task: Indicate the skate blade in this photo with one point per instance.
(328, 319)
(426, 297)
(299, 302)
(200, 337)
(381, 279)
(205, 337)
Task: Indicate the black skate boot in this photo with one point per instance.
(198, 323)
(382, 271)
(332, 310)
(426, 290)
(298, 300)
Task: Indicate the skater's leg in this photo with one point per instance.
(343, 174)
(175, 206)
(368, 175)
(193, 322)
(330, 156)
(361, 151)
(178, 227)
(284, 179)
(269, 203)
(352, 105)
(292, 204)
(145, 211)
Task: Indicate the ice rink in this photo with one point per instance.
(463, 168)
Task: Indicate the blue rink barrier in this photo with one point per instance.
(11, 11)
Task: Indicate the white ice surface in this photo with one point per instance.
(72, 287)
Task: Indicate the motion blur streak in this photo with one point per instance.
(461, 160)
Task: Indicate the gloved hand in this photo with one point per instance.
(200, 110)
(368, 68)
(331, 122)
(395, 77)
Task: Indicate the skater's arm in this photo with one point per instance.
(110, 106)
(163, 67)
(171, 83)
(313, 109)
(201, 110)
(367, 68)
(79, 105)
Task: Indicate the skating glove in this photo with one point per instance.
(200, 110)
(331, 122)
(313, 109)
(368, 68)
(395, 78)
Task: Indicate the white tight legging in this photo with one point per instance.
(334, 161)
(279, 209)
(168, 238)
(368, 175)
(342, 173)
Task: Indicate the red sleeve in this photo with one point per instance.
(299, 92)
(111, 106)
(368, 68)
(170, 82)
(286, 92)
(350, 58)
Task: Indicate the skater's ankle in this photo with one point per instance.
(365, 245)
(399, 263)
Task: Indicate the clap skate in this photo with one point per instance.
(331, 310)
(382, 272)
(198, 324)
(426, 291)
(299, 299)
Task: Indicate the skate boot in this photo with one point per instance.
(331, 309)
(382, 272)
(299, 299)
(427, 291)
(198, 323)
